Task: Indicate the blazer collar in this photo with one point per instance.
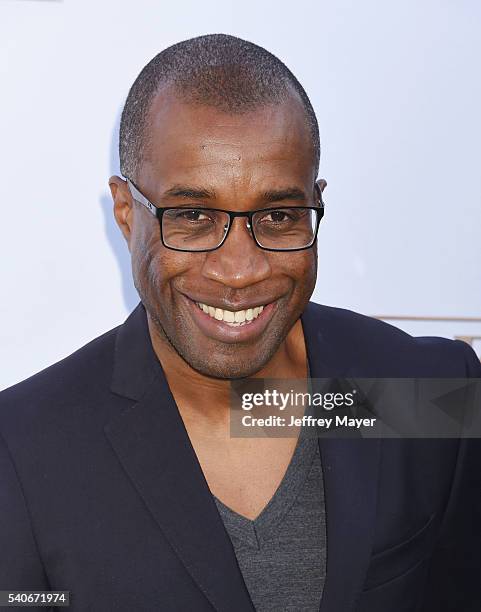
(152, 444)
(135, 363)
(350, 469)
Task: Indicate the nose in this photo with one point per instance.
(239, 262)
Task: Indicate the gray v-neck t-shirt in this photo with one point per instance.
(282, 553)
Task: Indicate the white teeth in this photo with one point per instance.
(240, 316)
(229, 317)
(235, 319)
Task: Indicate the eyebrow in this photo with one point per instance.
(196, 193)
(269, 196)
(277, 195)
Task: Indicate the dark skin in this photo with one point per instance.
(237, 158)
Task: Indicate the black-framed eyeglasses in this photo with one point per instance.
(200, 229)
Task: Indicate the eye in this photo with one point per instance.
(277, 216)
(193, 215)
(280, 216)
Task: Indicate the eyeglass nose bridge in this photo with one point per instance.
(232, 215)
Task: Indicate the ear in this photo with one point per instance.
(322, 183)
(122, 205)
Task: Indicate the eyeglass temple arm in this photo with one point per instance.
(319, 193)
(141, 198)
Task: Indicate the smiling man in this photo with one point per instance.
(120, 480)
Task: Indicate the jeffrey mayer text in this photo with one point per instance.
(306, 421)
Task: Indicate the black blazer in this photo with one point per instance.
(101, 493)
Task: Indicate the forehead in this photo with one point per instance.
(188, 142)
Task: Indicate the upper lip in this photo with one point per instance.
(244, 305)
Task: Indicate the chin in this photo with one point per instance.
(227, 366)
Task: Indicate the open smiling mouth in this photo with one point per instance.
(238, 318)
(231, 326)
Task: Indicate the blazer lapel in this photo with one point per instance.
(350, 469)
(153, 446)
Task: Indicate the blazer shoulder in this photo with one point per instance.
(71, 380)
(384, 348)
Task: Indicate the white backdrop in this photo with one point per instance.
(397, 90)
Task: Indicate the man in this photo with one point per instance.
(120, 481)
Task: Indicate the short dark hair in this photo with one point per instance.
(217, 70)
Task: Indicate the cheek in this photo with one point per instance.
(144, 246)
(153, 265)
(302, 268)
